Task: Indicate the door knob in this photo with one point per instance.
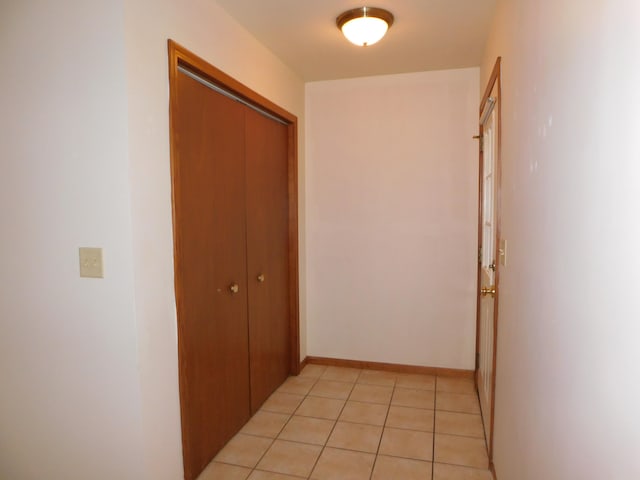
(261, 277)
(484, 291)
(234, 288)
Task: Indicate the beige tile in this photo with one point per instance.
(374, 377)
(244, 450)
(260, 475)
(355, 436)
(290, 458)
(369, 413)
(331, 389)
(282, 403)
(454, 472)
(297, 385)
(371, 394)
(456, 385)
(312, 371)
(465, 451)
(307, 430)
(418, 382)
(390, 468)
(459, 424)
(317, 407)
(455, 402)
(407, 444)
(221, 471)
(410, 418)
(343, 465)
(266, 424)
(404, 397)
(341, 374)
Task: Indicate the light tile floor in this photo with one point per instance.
(334, 423)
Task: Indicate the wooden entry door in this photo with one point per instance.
(209, 219)
(267, 254)
(491, 255)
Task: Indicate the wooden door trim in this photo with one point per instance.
(180, 56)
(492, 469)
(494, 82)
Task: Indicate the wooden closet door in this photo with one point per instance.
(210, 232)
(267, 254)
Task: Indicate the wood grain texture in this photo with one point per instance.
(294, 299)
(200, 66)
(195, 455)
(267, 254)
(179, 55)
(210, 256)
(389, 367)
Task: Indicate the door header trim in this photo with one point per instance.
(229, 94)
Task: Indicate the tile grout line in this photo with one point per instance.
(291, 415)
(468, 467)
(324, 446)
(384, 424)
(305, 397)
(273, 440)
(354, 383)
(294, 412)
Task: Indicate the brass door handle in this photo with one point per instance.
(261, 277)
(484, 291)
(234, 288)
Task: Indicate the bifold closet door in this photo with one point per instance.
(209, 206)
(267, 253)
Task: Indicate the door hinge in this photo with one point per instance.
(480, 138)
(477, 360)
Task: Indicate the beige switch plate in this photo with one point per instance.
(91, 262)
(503, 252)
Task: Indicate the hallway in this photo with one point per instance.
(349, 424)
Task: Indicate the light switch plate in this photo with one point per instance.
(503, 252)
(91, 262)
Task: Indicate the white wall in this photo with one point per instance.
(205, 29)
(69, 390)
(392, 218)
(88, 367)
(568, 357)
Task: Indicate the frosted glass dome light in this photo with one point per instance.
(365, 26)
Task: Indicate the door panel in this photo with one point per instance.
(485, 370)
(209, 212)
(267, 254)
(489, 260)
(488, 265)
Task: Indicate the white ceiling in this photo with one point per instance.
(426, 35)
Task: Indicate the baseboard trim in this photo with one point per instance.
(303, 363)
(387, 367)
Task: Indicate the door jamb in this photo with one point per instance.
(179, 55)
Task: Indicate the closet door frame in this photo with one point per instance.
(181, 57)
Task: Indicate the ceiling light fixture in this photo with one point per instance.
(365, 26)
